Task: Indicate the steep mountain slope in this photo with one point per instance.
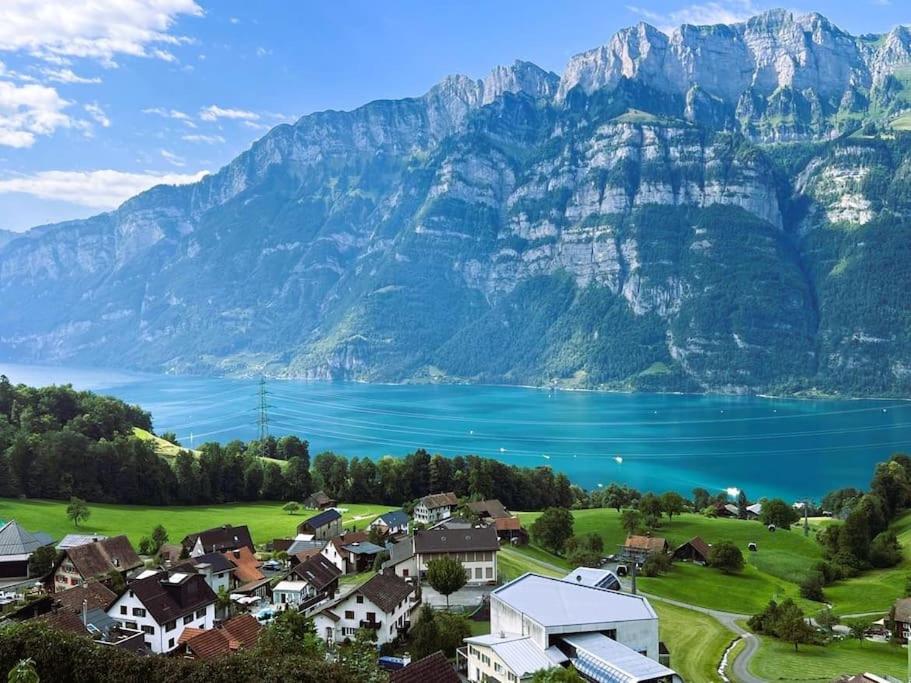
(723, 208)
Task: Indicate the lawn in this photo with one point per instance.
(168, 450)
(266, 520)
(696, 641)
(777, 661)
(746, 592)
(513, 562)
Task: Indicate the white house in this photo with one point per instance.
(392, 522)
(291, 593)
(435, 507)
(539, 622)
(216, 569)
(382, 604)
(475, 548)
(162, 604)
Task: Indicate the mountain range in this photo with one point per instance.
(720, 208)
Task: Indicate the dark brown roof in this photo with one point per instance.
(243, 628)
(217, 561)
(170, 552)
(96, 595)
(351, 537)
(456, 540)
(220, 538)
(65, 621)
(385, 591)
(440, 500)
(698, 545)
(318, 499)
(318, 571)
(489, 508)
(99, 558)
(167, 601)
(651, 544)
(434, 668)
(281, 544)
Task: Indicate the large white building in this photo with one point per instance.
(435, 508)
(476, 548)
(538, 622)
(383, 604)
(162, 604)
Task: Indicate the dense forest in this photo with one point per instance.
(56, 443)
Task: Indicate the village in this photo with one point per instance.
(215, 591)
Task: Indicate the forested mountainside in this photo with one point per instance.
(724, 208)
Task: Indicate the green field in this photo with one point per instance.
(266, 520)
(783, 559)
(696, 641)
(168, 450)
(777, 661)
(513, 562)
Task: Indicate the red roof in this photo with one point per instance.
(434, 668)
(507, 523)
(234, 634)
(247, 565)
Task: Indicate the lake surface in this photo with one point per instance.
(780, 447)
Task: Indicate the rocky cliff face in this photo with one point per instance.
(624, 225)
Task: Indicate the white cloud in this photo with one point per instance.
(213, 112)
(66, 75)
(28, 111)
(101, 29)
(173, 159)
(175, 114)
(256, 126)
(98, 114)
(103, 189)
(262, 52)
(209, 139)
(700, 14)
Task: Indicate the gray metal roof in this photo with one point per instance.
(607, 661)
(569, 603)
(301, 546)
(394, 518)
(519, 653)
(76, 540)
(15, 540)
(597, 578)
(364, 548)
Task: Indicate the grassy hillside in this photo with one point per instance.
(168, 450)
(696, 641)
(266, 519)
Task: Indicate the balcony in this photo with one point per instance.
(372, 625)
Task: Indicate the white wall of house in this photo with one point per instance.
(425, 515)
(407, 568)
(485, 665)
(354, 609)
(160, 638)
(290, 592)
(480, 566)
(216, 580)
(331, 553)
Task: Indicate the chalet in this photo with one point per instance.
(235, 634)
(434, 668)
(216, 569)
(391, 523)
(352, 553)
(94, 561)
(725, 510)
(219, 539)
(16, 547)
(638, 548)
(489, 510)
(383, 604)
(91, 595)
(694, 550)
(319, 501)
(435, 507)
(320, 577)
(538, 622)
(900, 618)
(754, 510)
(322, 526)
(596, 578)
(162, 604)
(476, 549)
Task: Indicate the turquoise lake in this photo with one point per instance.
(768, 447)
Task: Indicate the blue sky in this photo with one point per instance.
(99, 102)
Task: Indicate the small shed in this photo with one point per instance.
(694, 550)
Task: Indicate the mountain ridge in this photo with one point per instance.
(525, 227)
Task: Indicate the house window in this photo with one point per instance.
(371, 616)
(478, 573)
(171, 643)
(139, 612)
(200, 613)
(360, 599)
(123, 609)
(170, 626)
(490, 572)
(349, 614)
(148, 629)
(405, 573)
(187, 619)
